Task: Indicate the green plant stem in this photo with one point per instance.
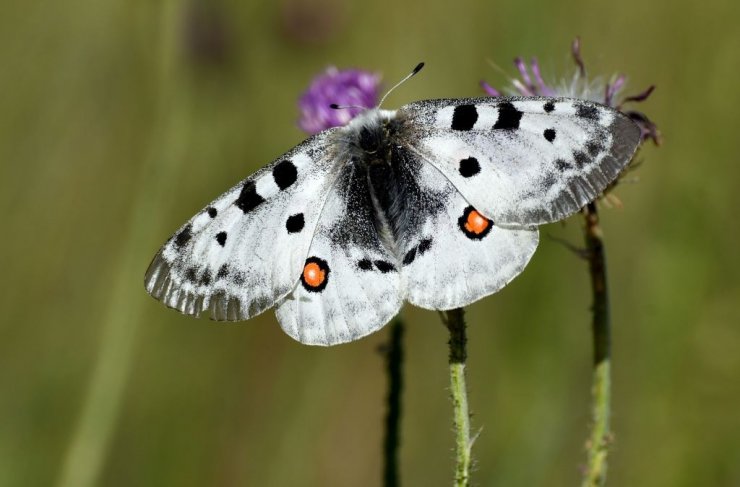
(394, 363)
(455, 322)
(600, 437)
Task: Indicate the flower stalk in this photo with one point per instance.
(597, 446)
(454, 320)
(391, 442)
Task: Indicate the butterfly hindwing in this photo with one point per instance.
(451, 254)
(522, 161)
(350, 284)
(244, 251)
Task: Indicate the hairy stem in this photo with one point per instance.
(455, 322)
(600, 437)
(394, 362)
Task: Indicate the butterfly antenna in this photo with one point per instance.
(411, 74)
(334, 106)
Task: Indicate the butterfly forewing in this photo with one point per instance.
(522, 161)
(245, 250)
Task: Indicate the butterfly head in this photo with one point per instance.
(368, 135)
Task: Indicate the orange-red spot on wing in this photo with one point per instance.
(313, 274)
(476, 223)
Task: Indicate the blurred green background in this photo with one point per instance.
(119, 120)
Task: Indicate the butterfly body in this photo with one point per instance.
(371, 144)
(436, 203)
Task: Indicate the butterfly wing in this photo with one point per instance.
(350, 284)
(244, 251)
(303, 232)
(451, 254)
(522, 161)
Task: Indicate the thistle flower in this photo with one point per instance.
(580, 86)
(352, 88)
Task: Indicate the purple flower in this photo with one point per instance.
(531, 83)
(352, 88)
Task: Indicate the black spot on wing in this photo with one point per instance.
(191, 275)
(212, 212)
(184, 236)
(594, 148)
(587, 111)
(295, 223)
(285, 174)
(238, 278)
(562, 164)
(581, 158)
(549, 106)
(205, 279)
(384, 266)
(508, 117)
(249, 199)
(464, 117)
(409, 257)
(549, 134)
(548, 181)
(221, 238)
(365, 264)
(420, 249)
(469, 167)
(223, 271)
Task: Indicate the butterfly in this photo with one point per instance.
(436, 203)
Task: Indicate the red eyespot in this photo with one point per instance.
(473, 224)
(315, 274)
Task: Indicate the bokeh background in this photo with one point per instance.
(119, 120)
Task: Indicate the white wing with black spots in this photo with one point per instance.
(522, 161)
(456, 255)
(435, 203)
(245, 250)
(350, 286)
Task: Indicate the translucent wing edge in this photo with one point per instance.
(221, 307)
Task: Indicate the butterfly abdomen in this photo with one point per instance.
(389, 202)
